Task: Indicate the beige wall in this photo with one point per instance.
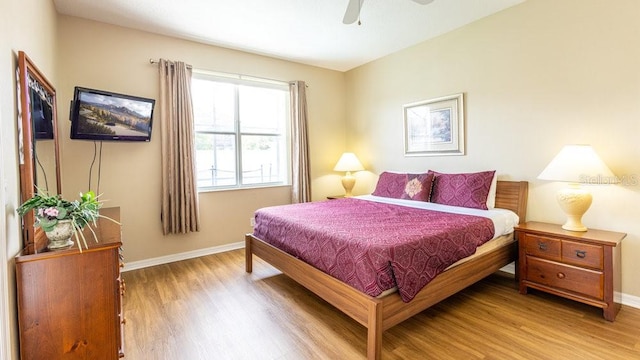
(106, 57)
(536, 77)
(27, 25)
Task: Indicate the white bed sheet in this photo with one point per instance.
(503, 220)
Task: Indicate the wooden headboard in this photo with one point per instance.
(513, 195)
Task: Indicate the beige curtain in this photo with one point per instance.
(301, 186)
(179, 192)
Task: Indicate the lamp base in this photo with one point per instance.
(348, 181)
(574, 201)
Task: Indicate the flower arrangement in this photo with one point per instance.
(51, 209)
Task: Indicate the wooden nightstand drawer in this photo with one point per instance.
(543, 247)
(582, 281)
(582, 254)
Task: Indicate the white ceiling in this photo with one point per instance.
(305, 31)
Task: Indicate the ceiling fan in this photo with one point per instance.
(353, 10)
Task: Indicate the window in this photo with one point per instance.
(241, 132)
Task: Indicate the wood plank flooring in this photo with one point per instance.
(209, 308)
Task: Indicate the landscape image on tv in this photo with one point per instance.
(108, 115)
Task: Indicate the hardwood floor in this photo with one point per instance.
(209, 308)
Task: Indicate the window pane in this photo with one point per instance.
(215, 160)
(262, 110)
(213, 105)
(263, 159)
(229, 113)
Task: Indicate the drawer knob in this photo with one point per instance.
(542, 246)
(581, 254)
(561, 275)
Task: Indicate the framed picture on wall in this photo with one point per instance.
(435, 127)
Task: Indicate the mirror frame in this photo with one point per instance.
(33, 240)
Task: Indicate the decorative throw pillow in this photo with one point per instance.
(467, 190)
(404, 186)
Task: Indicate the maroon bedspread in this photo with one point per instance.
(373, 246)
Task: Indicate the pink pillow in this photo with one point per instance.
(404, 186)
(467, 190)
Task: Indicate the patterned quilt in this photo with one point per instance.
(373, 246)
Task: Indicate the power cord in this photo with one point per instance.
(99, 155)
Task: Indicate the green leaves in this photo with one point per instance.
(38, 201)
(88, 197)
(62, 213)
(46, 224)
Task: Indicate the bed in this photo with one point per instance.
(378, 313)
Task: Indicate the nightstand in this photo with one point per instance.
(581, 266)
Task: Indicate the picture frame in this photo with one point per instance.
(435, 127)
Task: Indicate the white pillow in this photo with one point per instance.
(491, 198)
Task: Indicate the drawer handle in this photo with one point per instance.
(581, 254)
(542, 246)
(561, 275)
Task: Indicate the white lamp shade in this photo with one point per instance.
(578, 164)
(348, 162)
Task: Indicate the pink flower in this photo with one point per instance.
(51, 212)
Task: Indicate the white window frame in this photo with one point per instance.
(237, 79)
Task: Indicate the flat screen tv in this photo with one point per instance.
(103, 115)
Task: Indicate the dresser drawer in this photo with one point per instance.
(549, 273)
(543, 247)
(583, 254)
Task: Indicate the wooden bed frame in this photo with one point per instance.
(379, 314)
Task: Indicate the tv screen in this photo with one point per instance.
(103, 115)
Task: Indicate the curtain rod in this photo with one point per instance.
(152, 61)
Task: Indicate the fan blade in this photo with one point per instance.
(423, 2)
(353, 11)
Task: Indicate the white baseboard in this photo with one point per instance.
(181, 256)
(629, 300)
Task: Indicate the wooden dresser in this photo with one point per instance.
(70, 303)
(582, 266)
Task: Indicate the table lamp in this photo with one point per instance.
(348, 162)
(577, 165)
